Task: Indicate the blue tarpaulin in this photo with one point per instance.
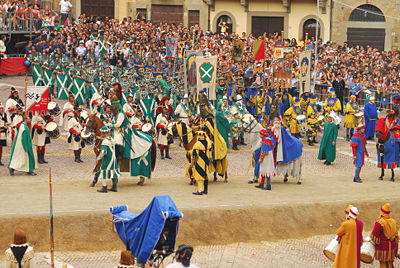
(141, 232)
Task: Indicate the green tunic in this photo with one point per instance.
(22, 156)
(223, 126)
(327, 150)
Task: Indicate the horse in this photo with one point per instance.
(188, 138)
(387, 147)
(292, 168)
(93, 125)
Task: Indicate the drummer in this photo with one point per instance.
(350, 240)
(39, 135)
(68, 107)
(332, 104)
(350, 120)
(292, 114)
(385, 237)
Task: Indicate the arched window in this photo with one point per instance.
(367, 13)
(310, 27)
(224, 24)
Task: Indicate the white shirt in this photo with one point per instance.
(65, 6)
(81, 51)
(179, 265)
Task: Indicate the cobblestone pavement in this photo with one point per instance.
(303, 253)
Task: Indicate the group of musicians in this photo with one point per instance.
(382, 244)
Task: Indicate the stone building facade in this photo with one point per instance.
(367, 22)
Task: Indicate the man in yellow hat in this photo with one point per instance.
(385, 237)
(350, 241)
(291, 115)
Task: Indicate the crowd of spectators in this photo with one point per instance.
(347, 69)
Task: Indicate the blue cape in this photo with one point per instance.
(292, 147)
(141, 232)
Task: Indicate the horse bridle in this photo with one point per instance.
(251, 126)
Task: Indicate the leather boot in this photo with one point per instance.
(39, 156)
(234, 147)
(242, 141)
(205, 187)
(314, 140)
(162, 153)
(43, 160)
(141, 181)
(113, 188)
(167, 153)
(103, 189)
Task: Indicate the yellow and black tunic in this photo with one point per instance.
(200, 163)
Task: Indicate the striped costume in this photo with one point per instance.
(109, 166)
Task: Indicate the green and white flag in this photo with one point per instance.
(148, 107)
(63, 84)
(206, 68)
(47, 76)
(103, 45)
(37, 74)
(79, 90)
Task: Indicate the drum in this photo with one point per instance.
(359, 114)
(147, 127)
(336, 118)
(53, 108)
(301, 119)
(84, 114)
(52, 130)
(332, 249)
(88, 137)
(367, 251)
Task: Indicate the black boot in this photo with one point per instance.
(11, 170)
(43, 160)
(113, 188)
(76, 157)
(205, 187)
(167, 153)
(314, 140)
(310, 142)
(95, 179)
(162, 153)
(234, 147)
(39, 156)
(103, 189)
(242, 141)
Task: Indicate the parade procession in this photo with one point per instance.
(124, 111)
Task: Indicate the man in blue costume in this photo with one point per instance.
(370, 116)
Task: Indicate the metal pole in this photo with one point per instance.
(51, 222)
(316, 47)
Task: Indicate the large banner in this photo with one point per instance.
(190, 69)
(305, 71)
(206, 75)
(237, 51)
(37, 98)
(171, 43)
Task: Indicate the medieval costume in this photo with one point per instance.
(332, 104)
(67, 108)
(74, 137)
(388, 142)
(39, 136)
(3, 131)
(235, 130)
(182, 110)
(267, 160)
(350, 121)
(358, 145)
(19, 254)
(290, 115)
(200, 163)
(312, 120)
(22, 155)
(370, 117)
(385, 238)
(350, 241)
(109, 166)
(241, 109)
(162, 130)
(327, 148)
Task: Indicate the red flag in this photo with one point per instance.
(259, 49)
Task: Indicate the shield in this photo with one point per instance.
(206, 72)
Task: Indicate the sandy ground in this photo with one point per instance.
(322, 185)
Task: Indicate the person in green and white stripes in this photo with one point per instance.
(109, 165)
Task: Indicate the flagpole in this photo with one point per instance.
(51, 221)
(316, 48)
(25, 90)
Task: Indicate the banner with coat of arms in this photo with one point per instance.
(37, 98)
(305, 71)
(171, 44)
(190, 69)
(206, 75)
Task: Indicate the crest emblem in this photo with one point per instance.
(206, 72)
